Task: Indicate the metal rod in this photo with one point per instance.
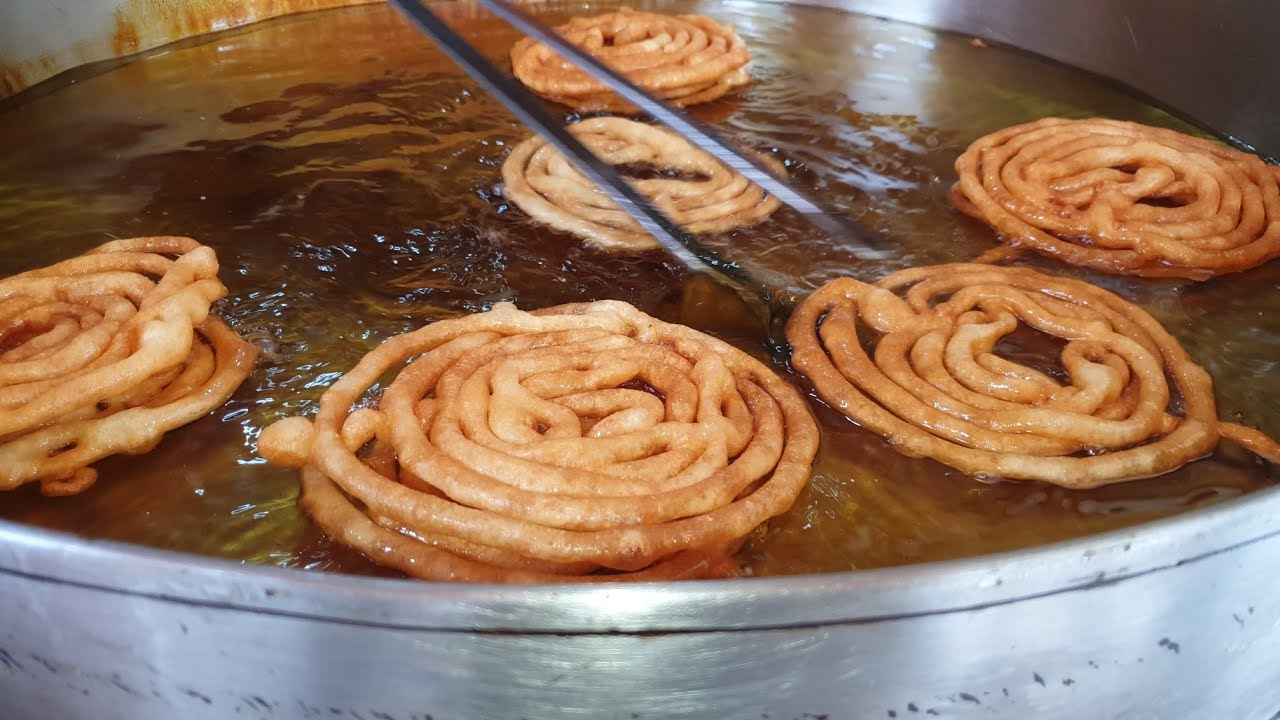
(528, 108)
(866, 245)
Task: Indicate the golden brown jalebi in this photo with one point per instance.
(1123, 198)
(550, 446)
(936, 385)
(691, 187)
(683, 59)
(103, 353)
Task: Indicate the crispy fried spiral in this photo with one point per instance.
(526, 447)
(683, 59)
(1123, 198)
(103, 353)
(692, 188)
(935, 384)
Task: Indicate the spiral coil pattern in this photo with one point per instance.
(936, 384)
(1123, 198)
(683, 59)
(522, 447)
(690, 186)
(104, 353)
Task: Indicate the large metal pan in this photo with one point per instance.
(1174, 619)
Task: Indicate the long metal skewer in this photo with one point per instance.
(529, 109)
(864, 244)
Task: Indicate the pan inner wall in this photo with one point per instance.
(347, 175)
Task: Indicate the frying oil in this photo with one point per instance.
(347, 175)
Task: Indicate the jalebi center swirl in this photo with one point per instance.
(689, 185)
(104, 353)
(935, 384)
(1123, 198)
(580, 443)
(683, 59)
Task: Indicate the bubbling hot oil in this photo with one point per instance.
(347, 175)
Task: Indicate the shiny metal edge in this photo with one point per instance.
(1215, 63)
(739, 604)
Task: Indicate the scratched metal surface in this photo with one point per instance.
(1177, 620)
(1194, 641)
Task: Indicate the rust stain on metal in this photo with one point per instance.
(159, 23)
(11, 80)
(139, 25)
(124, 36)
(15, 77)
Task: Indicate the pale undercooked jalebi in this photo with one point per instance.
(104, 353)
(683, 59)
(1123, 198)
(585, 442)
(690, 186)
(1124, 400)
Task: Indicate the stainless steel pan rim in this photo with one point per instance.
(740, 604)
(1097, 36)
